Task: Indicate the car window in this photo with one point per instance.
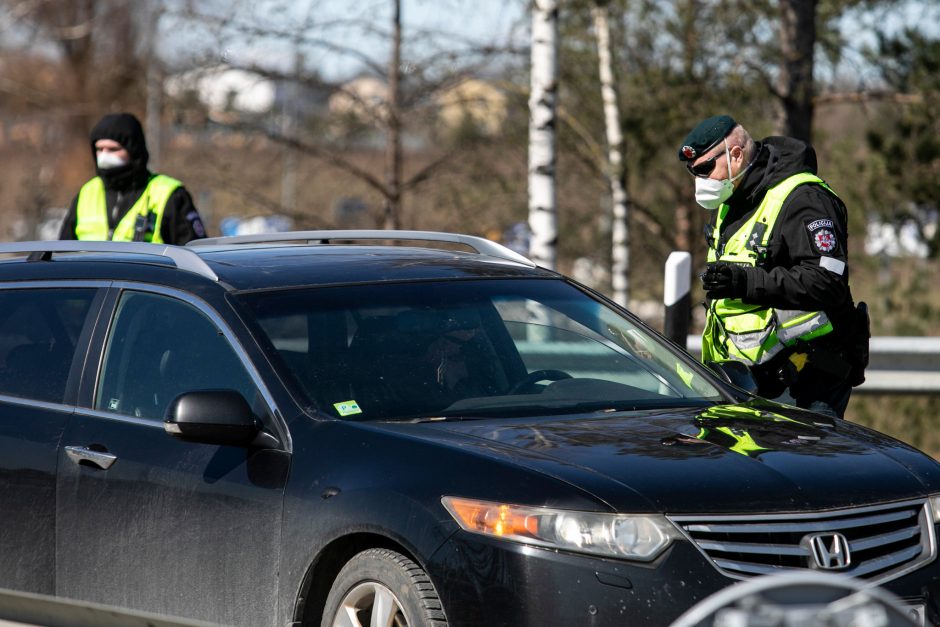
(160, 347)
(499, 347)
(589, 340)
(38, 332)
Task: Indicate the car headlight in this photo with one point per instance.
(934, 502)
(628, 536)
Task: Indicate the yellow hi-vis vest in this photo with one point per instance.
(92, 211)
(753, 334)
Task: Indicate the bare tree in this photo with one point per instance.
(544, 89)
(414, 76)
(65, 63)
(98, 44)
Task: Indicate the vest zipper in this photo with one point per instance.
(114, 214)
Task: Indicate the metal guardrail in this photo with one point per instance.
(898, 365)
(24, 609)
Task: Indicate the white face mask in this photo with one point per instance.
(710, 193)
(110, 160)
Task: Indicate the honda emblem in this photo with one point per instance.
(830, 550)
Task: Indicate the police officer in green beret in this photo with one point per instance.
(777, 279)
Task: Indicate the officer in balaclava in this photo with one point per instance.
(125, 201)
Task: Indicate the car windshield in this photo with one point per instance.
(468, 349)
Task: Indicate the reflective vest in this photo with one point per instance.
(753, 334)
(146, 215)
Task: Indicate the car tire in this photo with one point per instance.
(406, 596)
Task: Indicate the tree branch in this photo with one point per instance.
(300, 38)
(326, 156)
(764, 78)
(869, 96)
(249, 193)
(427, 171)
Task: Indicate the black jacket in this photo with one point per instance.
(125, 184)
(181, 222)
(806, 266)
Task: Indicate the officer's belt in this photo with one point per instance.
(822, 359)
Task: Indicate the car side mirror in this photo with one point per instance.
(212, 417)
(735, 373)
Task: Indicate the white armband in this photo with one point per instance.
(832, 265)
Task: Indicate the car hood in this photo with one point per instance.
(726, 458)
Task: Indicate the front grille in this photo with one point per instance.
(883, 541)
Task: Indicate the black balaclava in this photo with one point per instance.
(126, 130)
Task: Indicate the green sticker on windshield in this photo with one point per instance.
(347, 408)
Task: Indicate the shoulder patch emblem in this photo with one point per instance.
(825, 240)
(823, 223)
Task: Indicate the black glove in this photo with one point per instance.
(724, 280)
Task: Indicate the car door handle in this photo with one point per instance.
(79, 454)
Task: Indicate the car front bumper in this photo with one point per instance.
(484, 581)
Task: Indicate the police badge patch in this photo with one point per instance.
(823, 236)
(825, 240)
(819, 224)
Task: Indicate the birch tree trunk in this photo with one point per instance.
(542, 209)
(616, 168)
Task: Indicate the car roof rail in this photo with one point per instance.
(182, 258)
(478, 244)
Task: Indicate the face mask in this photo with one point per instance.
(109, 161)
(710, 193)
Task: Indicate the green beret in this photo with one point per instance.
(705, 136)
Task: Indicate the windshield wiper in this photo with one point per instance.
(440, 418)
(468, 413)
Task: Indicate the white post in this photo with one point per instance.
(677, 297)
